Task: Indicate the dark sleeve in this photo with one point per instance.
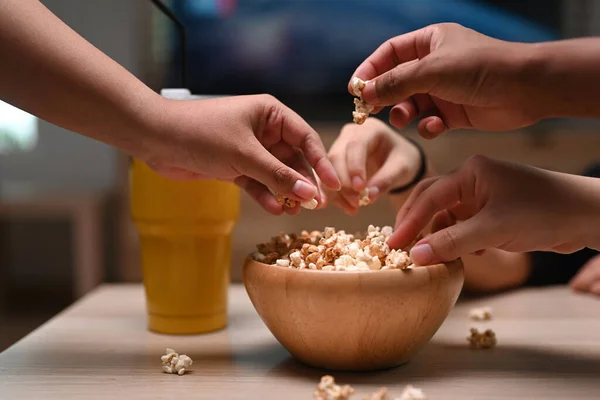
(549, 268)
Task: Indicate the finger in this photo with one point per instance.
(454, 241)
(403, 114)
(400, 83)
(589, 273)
(356, 162)
(260, 194)
(345, 206)
(442, 220)
(338, 159)
(390, 172)
(414, 195)
(295, 159)
(595, 288)
(350, 196)
(446, 192)
(432, 127)
(297, 133)
(393, 52)
(265, 168)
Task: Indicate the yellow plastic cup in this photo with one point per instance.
(185, 230)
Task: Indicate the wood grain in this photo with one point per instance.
(549, 348)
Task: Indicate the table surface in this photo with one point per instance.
(549, 348)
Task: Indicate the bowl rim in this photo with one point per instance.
(249, 259)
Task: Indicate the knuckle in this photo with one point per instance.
(448, 241)
(282, 175)
(477, 161)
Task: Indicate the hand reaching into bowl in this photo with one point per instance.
(372, 156)
(500, 205)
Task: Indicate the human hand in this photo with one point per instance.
(372, 156)
(588, 277)
(453, 77)
(254, 141)
(501, 205)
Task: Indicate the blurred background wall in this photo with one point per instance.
(64, 223)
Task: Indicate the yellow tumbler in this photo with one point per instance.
(185, 230)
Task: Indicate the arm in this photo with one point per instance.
(453, 77)
(50, 71)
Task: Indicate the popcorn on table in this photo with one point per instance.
(173, 363)
(327, 389)
(412, 393)
(480, 314)
(482, 340)
(361, 109)
(333, 250)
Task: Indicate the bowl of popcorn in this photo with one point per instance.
(348, 302)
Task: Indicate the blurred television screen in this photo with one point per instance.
(305, 51)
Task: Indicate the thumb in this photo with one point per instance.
(264, 167)
(452, 242)
(399, 83)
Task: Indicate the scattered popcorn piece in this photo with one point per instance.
(481, 314)
(173, 363)
(364, 199)
(328, 390)
(282, 263)
(412, 393)
(485, 340)
(361, 109)
(381, 394)
(310, 205)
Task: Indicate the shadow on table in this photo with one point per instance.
(440, 361)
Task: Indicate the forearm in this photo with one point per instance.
(564, 77)
(50, 71)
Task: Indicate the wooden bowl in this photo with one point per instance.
(354, 321)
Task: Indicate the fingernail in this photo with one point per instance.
(422, 254)
(304, 190)
(357, 183)
(373, 192)
(369, 93)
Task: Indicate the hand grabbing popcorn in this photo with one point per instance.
(173, 363)
(286, 202)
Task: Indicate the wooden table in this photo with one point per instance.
(549, 348)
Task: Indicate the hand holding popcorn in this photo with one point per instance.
(371, 159)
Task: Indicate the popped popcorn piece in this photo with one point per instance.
(310, 205)
(328, 390)
(173, 363)
(290, 203)
(480, 314)
(364, 199)
(361, 109)
(381, 394)
(412, 393)
(333, 250)
(398, 259)
(485, 340)
(357, 85)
